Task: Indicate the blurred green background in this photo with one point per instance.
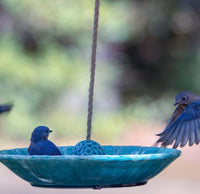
(147, 52)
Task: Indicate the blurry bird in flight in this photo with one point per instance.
(184, 125)
(40, 145)
(5, 108)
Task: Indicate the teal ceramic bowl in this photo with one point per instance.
(121, 166)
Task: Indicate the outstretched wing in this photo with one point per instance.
(184, 128)
(176, 113)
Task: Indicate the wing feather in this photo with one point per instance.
(170, 137)
(183, 127)
(191, 133)
(174, 135)
(180, 135)
(174, 116)
(197, 130)
(167, 135)
(185, 135)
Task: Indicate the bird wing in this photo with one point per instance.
(52, 148)
(183, 127)
(34, 149)
(43, 148)
(176, 113)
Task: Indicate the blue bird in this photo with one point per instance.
(184, 125)
(5, 108)
(40, 145)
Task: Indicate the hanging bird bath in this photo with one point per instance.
(121, 166)
(89, 165)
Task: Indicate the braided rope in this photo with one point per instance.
(92, 70)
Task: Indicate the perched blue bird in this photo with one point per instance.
(184, 125)
(40, 145)
(5, 108)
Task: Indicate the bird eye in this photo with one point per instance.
(47, 130)
(183, 98)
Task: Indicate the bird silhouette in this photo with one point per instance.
(40, 145)
(184, 125)
(5, 108)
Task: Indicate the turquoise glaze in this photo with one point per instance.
(88, 147)
(121, 166)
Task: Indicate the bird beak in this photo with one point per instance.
(50, 131)
(175, 103)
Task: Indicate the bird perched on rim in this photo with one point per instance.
(40, 145)
(184, 125)
(5, 108)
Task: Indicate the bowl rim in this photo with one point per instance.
(124, 157)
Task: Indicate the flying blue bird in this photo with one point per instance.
(184, 125)
(5, 108)
(40, 145)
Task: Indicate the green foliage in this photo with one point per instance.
(45, 60)
(40, 85)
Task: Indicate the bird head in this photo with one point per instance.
(185, 98)
(40, 133)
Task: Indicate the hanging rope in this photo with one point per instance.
(92, 70)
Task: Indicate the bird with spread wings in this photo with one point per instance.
(184, 125)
